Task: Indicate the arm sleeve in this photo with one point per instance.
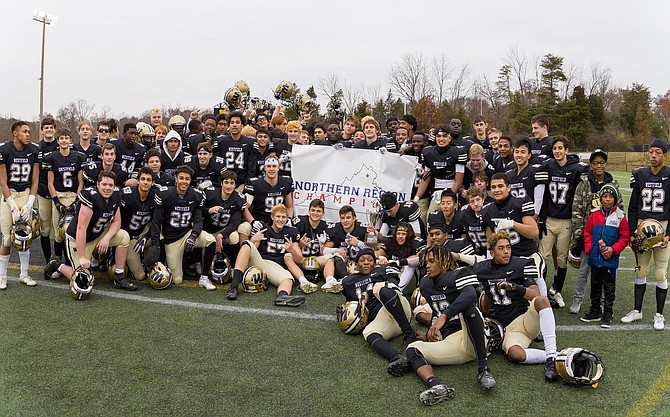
(233, 223)
(632, 205)
(539, 195)
(156, 226)
(466, 298)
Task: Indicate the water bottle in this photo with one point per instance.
(602, 245)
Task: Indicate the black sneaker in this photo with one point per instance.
(232, 293)
(51, 270)
(591, 316)
(289, 301)
(122, 283)
(398, 366)
(550, 374)
(606, 322)
(485, 379)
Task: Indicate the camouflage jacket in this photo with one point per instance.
(587, 201)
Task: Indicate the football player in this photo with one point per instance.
(221, 126)
(515, 216)
(172, 154)
(152, 159)
(19, 179)
(235, 148)
(401, 244)
(46, 145)
(96, 225)
(273, 249)
(261, 150)
(284, 147)
(476, 163)
(555, 222)
(503, 160)
(650, 199)
(443, 163)
(456, 335)
(138, 208)
(65, 171)
(266, 192)
(129, 153)
(388, 311)
(371, 136)
(527, 180)
(541, 142)
(92, 151)
(344, 240)
(509, 286)
(156, 117)
(93, 169)
(146, 135)
(206, 170)
(312, 231)
(333, 138)
(103, 134)
(394, 213)
(419, 141)
(223, 211)
(473, 224)
(587, 201)
(448, 214)
(494, 139)
(178, 219)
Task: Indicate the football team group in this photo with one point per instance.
(211, 200)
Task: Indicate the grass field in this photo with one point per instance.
(189, 352)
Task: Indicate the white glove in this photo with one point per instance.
(338, 146)
(285, 158)
(382, 150)
(256, 226)
(16, 213)
(503, 224)
(204, 185)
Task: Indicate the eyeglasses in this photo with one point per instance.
(598, 163)
(103, 130)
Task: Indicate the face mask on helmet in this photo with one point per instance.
(22, 236)
(221, 270)
(350, 318)
(310, 266)
(577, 366)
(254, 280)
(160, 277)
(81, 284)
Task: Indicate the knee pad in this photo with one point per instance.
(387, 294)
(415, 358)
(340, 267)
(372, 337)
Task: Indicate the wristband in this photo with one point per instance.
(31, 199)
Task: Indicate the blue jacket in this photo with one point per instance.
(610, 226)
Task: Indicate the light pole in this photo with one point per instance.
(45, 19)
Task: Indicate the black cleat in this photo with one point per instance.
(122, 283)
(51, 270)
(485, 379)
(232, 293)
(550, 374)
(289, 301)
(398, 366)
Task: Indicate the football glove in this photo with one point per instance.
(152, 256)
(392, 269)
(27, 210)
(506, 286)
(16, 212)
(189, 245)
(256, 226)
(204, 185)
(141, 243)
(285, 158)
(338, 146)
(542, 227)
(503, 224)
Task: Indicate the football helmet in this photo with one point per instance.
(305, 102)
(494, 333)
(233, 96)
(416, 301)
(311, 268)
(65, 221)
(160, 276)
(580, 367)
(350, 319)
(176, 120)
(221, 270)
(254, 280)
(242, 86)
(284, 90)
(81, 284)
(22, 236)
(146, 133)
(649, 234)
(573, 260)
(36, 223)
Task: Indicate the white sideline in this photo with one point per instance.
(297, 314)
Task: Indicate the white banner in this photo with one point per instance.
(355, 177)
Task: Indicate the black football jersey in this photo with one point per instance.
(267, 196)
(326, 142)
(229, 217)
(523, 183)
(650, 197)
(541, 149)
(19, 165)
(475, 229)
(169, 165)
(519, 270)
(515, 209)
(130, 157)
(441, 292)
(560, 190)
(338, 236)
(316, 237)
(93, 152)
(272, 247)
(211, 172)
(256, 163)
(235, 154)
(93, 169)
(178, 213)
(455, 228)
(443, 163)
(354, 285)
(409, 212)
(103, 212)
(135, 213)
(195, 140)
(500, 165)
(45, 148)
(363, 144)
(65, 169)
(283, 148)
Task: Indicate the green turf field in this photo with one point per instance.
(189, 352)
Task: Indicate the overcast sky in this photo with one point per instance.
(135, 55)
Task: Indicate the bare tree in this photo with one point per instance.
(516, 61)
(74, 112)
(599, 80)
(352, 96)
(572, 76)
(329, 85)
(409, 78)
(441, 71)
(373, 93)
(460, 87)
(491, 94)
(104, 114)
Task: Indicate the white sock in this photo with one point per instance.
(534, 356)
(4, 260)
(24, 258)
(541, 285)
(330, 278)
(548, 329)
(302, 280)
(203, 277)
(118, 270)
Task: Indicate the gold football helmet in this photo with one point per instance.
(65, 221)
(580, 367)
(160, 276)
(284, 90)
(22, 236)
(254, 280)
(81, 284)
(176, 120)
(494, 333)
(221, 270)
(305, 102)
(310, 266)
(36, 223)
(649, 234)
(242, 86)
(349, 319)
(233, 96)
(574, 261)
(415, 300)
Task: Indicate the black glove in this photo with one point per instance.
(542, 226)
(506, 286)
(141, 243)
(152, 256)
(59, 206)
(189, 245)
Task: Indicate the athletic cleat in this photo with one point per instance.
(289, 301)
(576, 306)
(204, 282)
(3, 282)
(122, 283)
(485, 379)
(232, 293)
(632, 316)
(51, 270)
(606, 322)
(308, 287)
(437, 394)
(333, 286)
(398, 366)
(559, 300)
(591, 316)
(26, 279)
(551, 295)
(659, 322)
(550, 374)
